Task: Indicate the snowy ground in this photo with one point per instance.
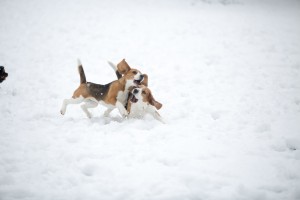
(228, 76)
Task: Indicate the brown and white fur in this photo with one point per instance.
(111, 95)
(140, 100)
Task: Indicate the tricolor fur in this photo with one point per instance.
(140, 100)
(111, 95)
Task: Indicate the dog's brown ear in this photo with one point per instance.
(145, 80)
(123, 67)
(154, 103)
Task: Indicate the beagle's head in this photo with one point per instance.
(142, 94)
(130, 74)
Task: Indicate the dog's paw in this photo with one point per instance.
(62, 112)
(125, 115)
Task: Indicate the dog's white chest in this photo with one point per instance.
(138, 110)
(122, 97)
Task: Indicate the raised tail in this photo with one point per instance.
(81, 73)
(114, 67)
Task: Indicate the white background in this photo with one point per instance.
(227, 74)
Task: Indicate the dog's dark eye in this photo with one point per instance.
(134, 72)
(143, 92)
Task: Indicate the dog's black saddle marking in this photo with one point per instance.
(98, 91)
(118, 75)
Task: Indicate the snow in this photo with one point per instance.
(227, 74)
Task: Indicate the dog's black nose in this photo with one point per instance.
(135, 91)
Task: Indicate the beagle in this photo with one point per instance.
(140, 99)
(111, 95)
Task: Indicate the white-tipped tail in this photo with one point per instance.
(79, 62)
(113, 66)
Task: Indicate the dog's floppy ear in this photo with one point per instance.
(123, 67)
(145, 80)
(154, 103)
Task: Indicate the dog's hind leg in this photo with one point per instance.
(66, 102)
(88, 104)
(108, 111)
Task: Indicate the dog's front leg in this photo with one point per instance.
(122, 109)
(155, 114)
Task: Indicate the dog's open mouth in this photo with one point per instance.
(138, 82)
(133, 99)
